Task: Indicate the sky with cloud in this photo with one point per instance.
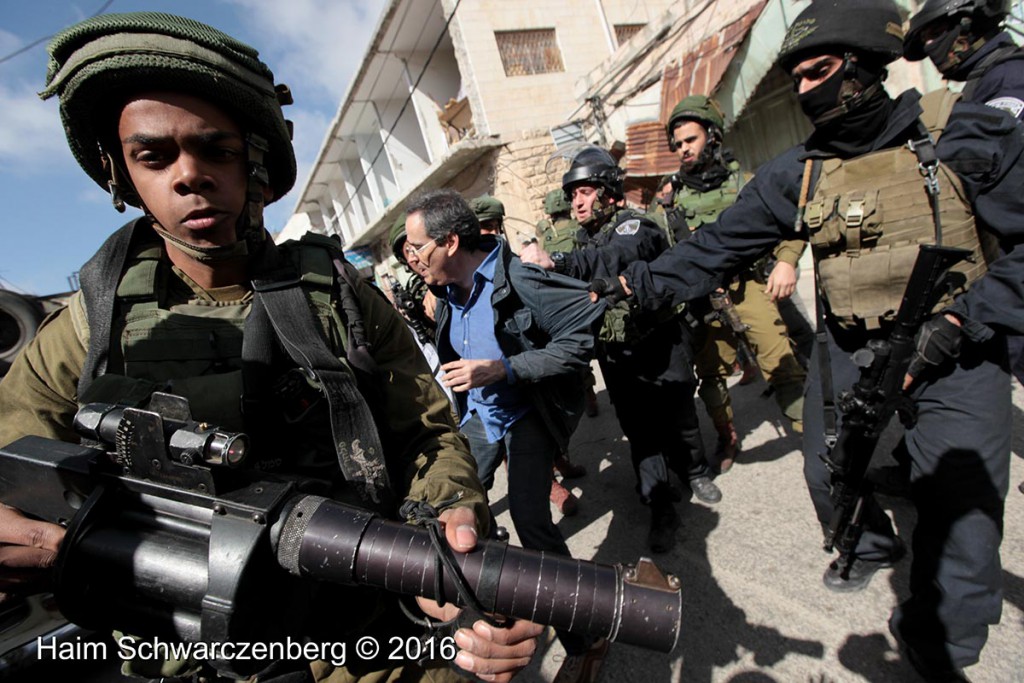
(52, 216)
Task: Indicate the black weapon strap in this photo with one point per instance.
(99, 279)
(422, 513)
(928, 165)
(281, 311)
(812, 173)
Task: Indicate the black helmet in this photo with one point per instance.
(594, 166)
(868, 27)
(989, 12)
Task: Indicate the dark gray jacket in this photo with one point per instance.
(545, 326)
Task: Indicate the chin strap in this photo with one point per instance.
(852, 92)
(250, 230)
(600, 215)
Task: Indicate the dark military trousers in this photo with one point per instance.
(651, 385)
(960, 453)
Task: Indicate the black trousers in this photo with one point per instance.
(960, 460)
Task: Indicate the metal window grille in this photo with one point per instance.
(529, 52)
(623, 32)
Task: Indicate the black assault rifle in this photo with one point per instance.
(168, 538)
(878, 394)
(724, 311)
(409, 307)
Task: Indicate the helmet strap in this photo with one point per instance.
(250, 223)
(852, 92)
(120, 184)
(601, 212)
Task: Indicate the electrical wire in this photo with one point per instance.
(405, 105)
(26, 48)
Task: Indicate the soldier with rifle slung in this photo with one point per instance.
(708, 182)
(878, 178)
(284, 342)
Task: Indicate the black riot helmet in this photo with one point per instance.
(869, 28)
(973, 20)
(592, 165)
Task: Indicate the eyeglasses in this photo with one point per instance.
(414, 252)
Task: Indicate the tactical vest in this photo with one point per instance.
(559, 235)
(194, 349)
(704, 207)
(867, 216)
(625, 323)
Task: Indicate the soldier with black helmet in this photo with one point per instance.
(646, 358)
(185, 122)
(854, 190)
(965, 41)
(708, 181)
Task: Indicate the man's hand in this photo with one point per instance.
(492, 654)
(612, 289)
(535, 254)
(781, 282)
(429, 304)
(27, 550)
(463, 375)
(937, 340)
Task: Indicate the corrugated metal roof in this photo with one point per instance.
(698, 71)
(647, 152)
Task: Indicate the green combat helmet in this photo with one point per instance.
(555, 203)
(700, 108)
(397, 237)
(97, 64)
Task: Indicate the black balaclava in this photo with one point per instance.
(849, 110)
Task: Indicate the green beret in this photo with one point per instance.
(487, 208)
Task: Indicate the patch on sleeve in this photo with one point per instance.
(1011, 105)
(628, 227)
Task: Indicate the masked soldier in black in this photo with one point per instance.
(964, 40)
(646, 358)
(865, 210)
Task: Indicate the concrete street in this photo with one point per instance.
(754, 608)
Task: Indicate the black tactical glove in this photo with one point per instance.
(608, 288)
(937, 340)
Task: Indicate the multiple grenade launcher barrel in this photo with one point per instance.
(157, 545)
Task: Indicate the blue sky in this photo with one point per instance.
(52, 216)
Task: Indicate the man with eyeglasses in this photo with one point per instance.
(514, 341)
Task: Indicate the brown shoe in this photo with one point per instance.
(728, 446)
(564, 499)
(584, 667)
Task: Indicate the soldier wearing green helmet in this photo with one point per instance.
(491, 214)
(193, 297)
(707, 182)
(558, 231)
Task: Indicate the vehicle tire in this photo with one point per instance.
(19, 319)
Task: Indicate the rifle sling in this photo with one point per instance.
(281, 311)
